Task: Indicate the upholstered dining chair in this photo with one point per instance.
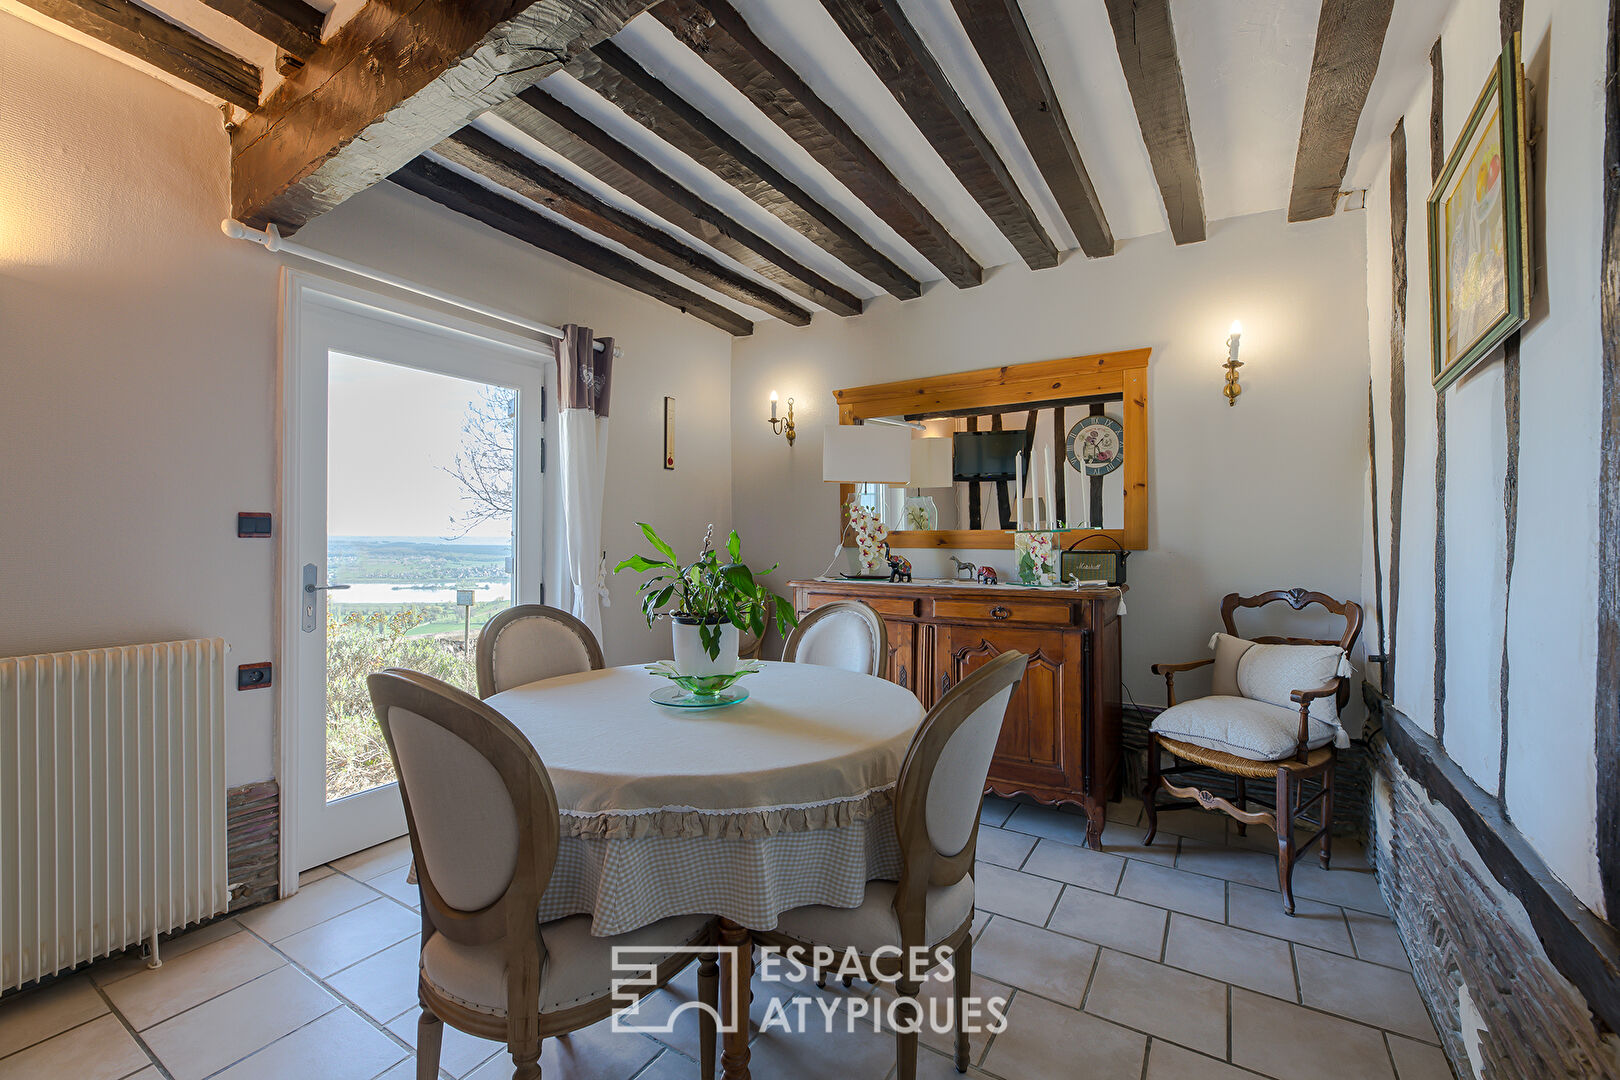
(484, 830)
(530, 642)
(1273, 716)
(843, 634)
(930, 909)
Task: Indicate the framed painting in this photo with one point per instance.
(1479, 228)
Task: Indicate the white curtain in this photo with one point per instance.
(585, 377)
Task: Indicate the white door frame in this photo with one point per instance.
(300, 289)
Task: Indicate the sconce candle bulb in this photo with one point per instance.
(1232, 389)
(784, 425)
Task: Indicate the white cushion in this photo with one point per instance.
(1271, 673)
(874, 923)
(1228, 651)
(1249, 729)
(578, 967)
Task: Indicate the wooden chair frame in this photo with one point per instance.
(489, 636)
(512, 919)
(880, 632)
(922, 866)
(1289, 775)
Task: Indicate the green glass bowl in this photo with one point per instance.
(704, 686)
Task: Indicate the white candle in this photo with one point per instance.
(1018, 485)
(1232, 340)
(1051, 505)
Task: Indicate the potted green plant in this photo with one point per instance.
(707, 601)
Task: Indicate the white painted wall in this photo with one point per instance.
(139, 372)
(1262, 495)
(1551, 625)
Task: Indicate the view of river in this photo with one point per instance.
(388, 592)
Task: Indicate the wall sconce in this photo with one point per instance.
(1232, 389)
(782, 426)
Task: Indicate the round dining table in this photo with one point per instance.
(742, 811)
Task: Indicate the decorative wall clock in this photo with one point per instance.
(1096, 445)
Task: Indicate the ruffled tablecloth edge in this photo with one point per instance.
(689, 822)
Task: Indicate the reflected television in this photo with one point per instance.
(986, 455)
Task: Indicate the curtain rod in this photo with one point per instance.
(270, 239)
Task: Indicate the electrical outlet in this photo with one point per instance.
(253, 676)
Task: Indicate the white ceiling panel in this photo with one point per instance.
(1246, 66)
(1077, 43)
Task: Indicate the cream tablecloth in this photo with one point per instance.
(744, 811)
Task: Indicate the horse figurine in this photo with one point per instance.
(963, 568)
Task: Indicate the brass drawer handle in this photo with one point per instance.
(999, 612)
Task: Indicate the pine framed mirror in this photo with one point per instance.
(1100, 399)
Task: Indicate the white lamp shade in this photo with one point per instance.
(865, 454)
(930, 463)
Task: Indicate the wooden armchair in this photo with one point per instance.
(1245, 729)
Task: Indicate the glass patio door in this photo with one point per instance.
(419, 517)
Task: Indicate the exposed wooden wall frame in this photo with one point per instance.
(1016, 388)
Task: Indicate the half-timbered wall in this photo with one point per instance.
(1524, 711)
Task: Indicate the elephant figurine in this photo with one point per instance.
(899, 568)
(987, 575)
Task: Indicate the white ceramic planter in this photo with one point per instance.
(690, 656)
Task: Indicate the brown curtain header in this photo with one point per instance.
(584, 375)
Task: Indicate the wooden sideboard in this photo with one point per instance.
(1060, 743)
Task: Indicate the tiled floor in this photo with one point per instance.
(1129, 964)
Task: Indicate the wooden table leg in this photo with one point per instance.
(735, 997)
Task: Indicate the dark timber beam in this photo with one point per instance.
(882, 34)
(1349, 38)
(559, 128)
(143, 34)
(716, 32)
(1004, 42)
(615, 74)
(291, 25)
(455, 192)
(393, 81)
(500, 164)
(1146, 41)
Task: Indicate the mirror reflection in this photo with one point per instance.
(968, 471)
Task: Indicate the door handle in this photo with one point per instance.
(999, 612)
(310, 589)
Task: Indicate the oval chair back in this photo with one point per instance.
(941, 785)
(482, 816)
(530, 642)
(844, 634)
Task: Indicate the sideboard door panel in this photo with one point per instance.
(1033, 745)
(902, 653)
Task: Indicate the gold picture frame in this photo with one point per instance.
(1479, 228)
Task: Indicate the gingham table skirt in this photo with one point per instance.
(627, 883)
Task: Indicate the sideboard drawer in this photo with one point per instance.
(896, 606)
(1026, 612)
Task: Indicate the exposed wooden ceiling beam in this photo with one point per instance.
(615, 74)
(1146, 41)
(453, 191)
(556, 126)
(393, 81)
(500, 164)
(722, 37)
(1349, 39)
(143, 34)
(292, 25)
(1004, 42)
(881, 32)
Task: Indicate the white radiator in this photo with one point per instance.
(112, 800)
